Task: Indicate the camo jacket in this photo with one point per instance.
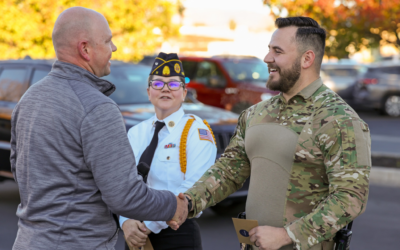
(329, 179)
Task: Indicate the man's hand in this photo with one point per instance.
(269, 238)
(181, 212)
(135, 233)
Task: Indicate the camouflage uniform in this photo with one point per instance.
(309, 160)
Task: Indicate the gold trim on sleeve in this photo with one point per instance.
(182, 146)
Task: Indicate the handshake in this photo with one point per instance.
(181, 213)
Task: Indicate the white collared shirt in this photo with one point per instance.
(165, 172)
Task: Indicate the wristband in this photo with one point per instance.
(190, 205)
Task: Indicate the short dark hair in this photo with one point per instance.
(181, 78)
(309, 35)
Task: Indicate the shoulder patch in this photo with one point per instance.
(204, 134)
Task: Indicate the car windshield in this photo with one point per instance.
(251, 70)
(131, 83)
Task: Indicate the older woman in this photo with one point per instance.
(178, 147)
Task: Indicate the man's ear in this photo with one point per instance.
(83, 48)
(308, 59)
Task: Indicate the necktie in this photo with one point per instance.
(148, 153)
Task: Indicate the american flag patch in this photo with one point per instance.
(204, 134)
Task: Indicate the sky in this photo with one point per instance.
(250, 13)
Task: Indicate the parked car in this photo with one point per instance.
(379, 88)
(16, 76)
(341, 77)
(230, 82)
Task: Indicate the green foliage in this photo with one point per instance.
(26, 25)
(351, 25)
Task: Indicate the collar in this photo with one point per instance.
(308, 91)
(71, 71)
(172, 120)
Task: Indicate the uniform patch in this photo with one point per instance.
(204, 134)
(170, 145)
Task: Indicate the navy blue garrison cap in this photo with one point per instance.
(167, 65)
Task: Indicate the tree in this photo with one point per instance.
(138, 26)
(351, 25)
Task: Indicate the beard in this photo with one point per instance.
(288, 78)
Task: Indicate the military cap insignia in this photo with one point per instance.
(177, 68)
(166, 71)
(171, 124)
(167, 65)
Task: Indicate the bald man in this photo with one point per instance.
(70, 154)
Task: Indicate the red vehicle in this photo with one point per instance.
(230, 82)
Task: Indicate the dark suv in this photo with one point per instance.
(230, 82)
(379, 88)
(15, 79)
(131, 96)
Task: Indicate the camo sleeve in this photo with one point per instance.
(346, 147)
(226, 176)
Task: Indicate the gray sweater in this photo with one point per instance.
(73, 163)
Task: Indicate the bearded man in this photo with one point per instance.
(307, 151)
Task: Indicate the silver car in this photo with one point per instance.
(341, 77)
(379, 88)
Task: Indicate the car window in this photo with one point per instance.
(391, 70)
(249, 70)
(374, 70)
(209, 74)
(189, 67)
(38, 75)
(341, 72)
(12, 84)
(130, 82)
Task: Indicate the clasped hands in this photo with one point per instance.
(181, 213)
(135, 233)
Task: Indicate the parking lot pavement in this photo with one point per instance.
(385, 132)
(377, 228)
